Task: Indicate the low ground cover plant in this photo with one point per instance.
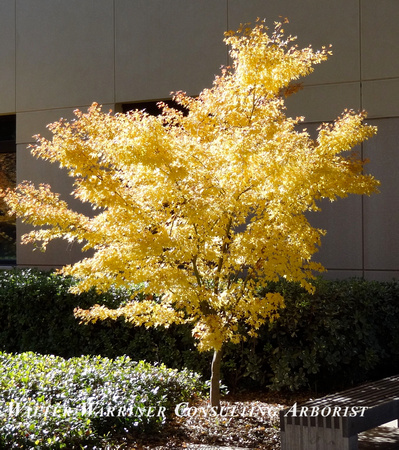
(87, 402)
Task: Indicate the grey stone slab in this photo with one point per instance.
(35, 122)
(316, 23)
(379, 37)
(381, 275)
(324, 103)
(381, 212)
(341, 247)
(167, 45)
(380, 97)
(7, 56)
(59, 253)
(64, 53)
(337, 274)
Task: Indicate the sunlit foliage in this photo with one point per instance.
(201, 208)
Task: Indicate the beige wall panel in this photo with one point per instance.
(342, 274)
(380, 37)
(65, 53)
(7, 56)
(383, 275)
(341, 247)
(325, 102)
(35, 122)
(381, 97)
(38, 171)
(58, 253)
(315, 22)
(168, 45)
(381, 212)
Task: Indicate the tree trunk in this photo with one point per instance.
(215, 380)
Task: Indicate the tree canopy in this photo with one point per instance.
(201, 207)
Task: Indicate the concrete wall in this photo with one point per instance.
(58, 55)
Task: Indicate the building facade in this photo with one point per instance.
(59, 55)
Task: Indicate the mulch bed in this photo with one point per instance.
(249, 421)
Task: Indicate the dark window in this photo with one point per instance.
(151, 107)
(7, 180)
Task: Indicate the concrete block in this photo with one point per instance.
(324, 102)
(7, 56)
(35, 122)
(381, 212)
(168, 45)
(379, 37)
(380, 97)
(65, 53)
(341, 247)
(315, 22)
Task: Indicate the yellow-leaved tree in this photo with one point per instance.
(201, 207)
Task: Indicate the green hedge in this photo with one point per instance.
(344, 334)
(347, 332)
(36, 314)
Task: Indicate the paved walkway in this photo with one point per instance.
(385, 437)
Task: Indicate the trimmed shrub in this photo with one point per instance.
(346, 333)
(36, 314)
